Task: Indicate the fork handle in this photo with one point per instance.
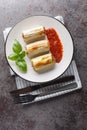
(65, 87)
(35, 87)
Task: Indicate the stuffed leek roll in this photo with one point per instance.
(43, 62)
(34, 34)
(37, 48)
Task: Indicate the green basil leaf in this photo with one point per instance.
(21, 55)
(21, 64)
(13, 57)
(17, 48)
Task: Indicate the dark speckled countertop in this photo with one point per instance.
(67, 112)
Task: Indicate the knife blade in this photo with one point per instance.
(35, 87)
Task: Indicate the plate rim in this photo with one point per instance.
(39, 16)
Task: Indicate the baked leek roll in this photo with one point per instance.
(43, 62)
(37, 48)
(34, 34)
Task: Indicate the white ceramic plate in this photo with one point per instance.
(47, 22)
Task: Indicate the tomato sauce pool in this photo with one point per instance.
(56, 46)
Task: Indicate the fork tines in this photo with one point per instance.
(24, 98)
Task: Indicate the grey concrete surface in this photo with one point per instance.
(67, 112)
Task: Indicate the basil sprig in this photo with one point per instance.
(18, 56)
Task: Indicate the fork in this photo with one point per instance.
(26, 98)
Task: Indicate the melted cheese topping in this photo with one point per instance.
(42, 61)
(42, 45)
(33, 34)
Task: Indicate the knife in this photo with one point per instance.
(35, 87)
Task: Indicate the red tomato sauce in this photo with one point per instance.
(56, 46)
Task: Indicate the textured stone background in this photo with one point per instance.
(67, 112)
